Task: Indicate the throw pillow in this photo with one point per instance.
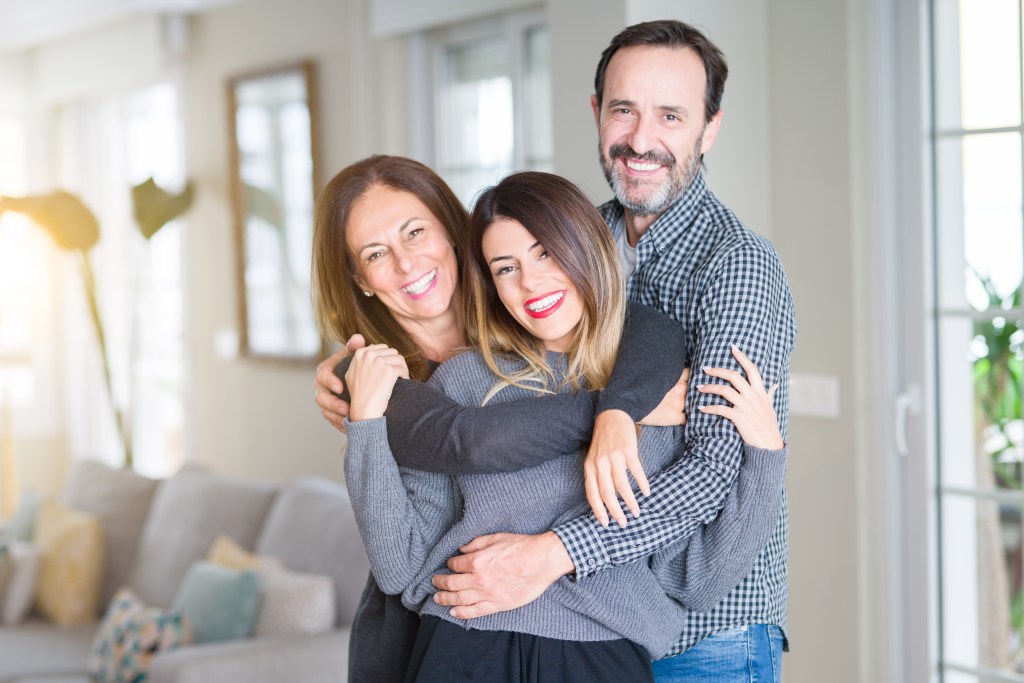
(220, 603)
(294, 604)
(71, 571)
(130, 636)
(229, 553)
(23, 569)
(23, 523)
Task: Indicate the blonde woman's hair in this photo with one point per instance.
(563, 220)
(341, 309)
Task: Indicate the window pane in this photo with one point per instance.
(981, 228)
(981, 432)
(537, 100)
(476, 132)
(981, 583)
(978, 63)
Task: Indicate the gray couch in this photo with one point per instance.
(154, 531)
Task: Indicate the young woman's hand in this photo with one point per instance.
(371, 378)
(672, 409)
(751, 410)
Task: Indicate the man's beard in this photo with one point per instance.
(660, 197)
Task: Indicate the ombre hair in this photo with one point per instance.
(341, 309)
(563, 220)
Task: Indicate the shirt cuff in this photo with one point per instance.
(582, 541)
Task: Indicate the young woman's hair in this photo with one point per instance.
(570, 229)
(340, 307)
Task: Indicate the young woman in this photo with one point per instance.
(547, 299)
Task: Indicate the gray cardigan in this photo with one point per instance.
(412, 522)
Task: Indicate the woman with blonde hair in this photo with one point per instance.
(544, 292)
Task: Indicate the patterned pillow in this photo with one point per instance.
(130, 636)
(71, 571)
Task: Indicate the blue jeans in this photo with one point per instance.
(748, 654)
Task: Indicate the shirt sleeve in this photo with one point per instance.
(431, 432)
(702, 569)
(651, 359)
(401, 513)
(740, 303)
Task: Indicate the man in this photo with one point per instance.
(658, 91)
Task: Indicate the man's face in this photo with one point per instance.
(651, 125)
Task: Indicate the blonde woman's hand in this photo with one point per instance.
(751, 410)
(371, 378)
(612, 455)
(672, 409)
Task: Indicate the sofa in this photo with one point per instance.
(154, 531)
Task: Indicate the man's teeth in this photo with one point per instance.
(421, 285)
(546, 302)
(642, 165)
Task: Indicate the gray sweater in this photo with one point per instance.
(412, 522)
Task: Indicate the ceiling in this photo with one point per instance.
(28, 23)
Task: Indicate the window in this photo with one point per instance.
(492, 101)
(105, 148)
(979, 237)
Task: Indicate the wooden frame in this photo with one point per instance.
(270, 170)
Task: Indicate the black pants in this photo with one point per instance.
(383, 633)
(446, 653)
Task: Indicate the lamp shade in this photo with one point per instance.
(70, 222)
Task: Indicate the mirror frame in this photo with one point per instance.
(305, 69)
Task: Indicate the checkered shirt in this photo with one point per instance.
(699, 264)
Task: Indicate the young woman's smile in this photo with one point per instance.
(531, 284)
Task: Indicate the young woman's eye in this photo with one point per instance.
(543, 255)
(504, 270)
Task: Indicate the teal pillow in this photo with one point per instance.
(220, 603)
(23, 523)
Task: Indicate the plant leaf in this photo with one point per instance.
(154, 207)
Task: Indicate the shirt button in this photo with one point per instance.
(591, 562)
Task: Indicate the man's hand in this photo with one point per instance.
(500, 572)
(613, 452)
(327, 384)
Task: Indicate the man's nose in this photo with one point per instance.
(642, 137)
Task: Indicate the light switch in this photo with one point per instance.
(813, 395)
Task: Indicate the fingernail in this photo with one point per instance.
(705, 368)
(702, 409)
(604, 523)
(622, 522)
(733, 346)
(700, 387)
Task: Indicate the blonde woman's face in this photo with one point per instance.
(531, 284)
(403, 254)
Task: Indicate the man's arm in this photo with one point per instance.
(745, 302)
(428, 431)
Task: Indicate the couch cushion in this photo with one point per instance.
(71, 570)
(311, 529)
(38, 647)
(120, 499)
(189, 511)
(20, 586)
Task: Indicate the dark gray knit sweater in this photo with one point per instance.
(412, 522)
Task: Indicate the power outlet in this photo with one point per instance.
(814, 395)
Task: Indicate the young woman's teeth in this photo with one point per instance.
(546, 302)
(642, 165)
(421, 285)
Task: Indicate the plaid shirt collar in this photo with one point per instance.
(678, 221)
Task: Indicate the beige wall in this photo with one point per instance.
(782, 162)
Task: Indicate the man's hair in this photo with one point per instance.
(677, 36)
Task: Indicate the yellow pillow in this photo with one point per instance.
(226, 552)
(71, 568)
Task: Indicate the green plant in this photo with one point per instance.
(74, 227)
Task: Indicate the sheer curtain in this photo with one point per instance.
(103, 147)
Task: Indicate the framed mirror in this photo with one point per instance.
(274, 184)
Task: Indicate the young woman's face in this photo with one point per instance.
(531, 284)
(403, 254)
